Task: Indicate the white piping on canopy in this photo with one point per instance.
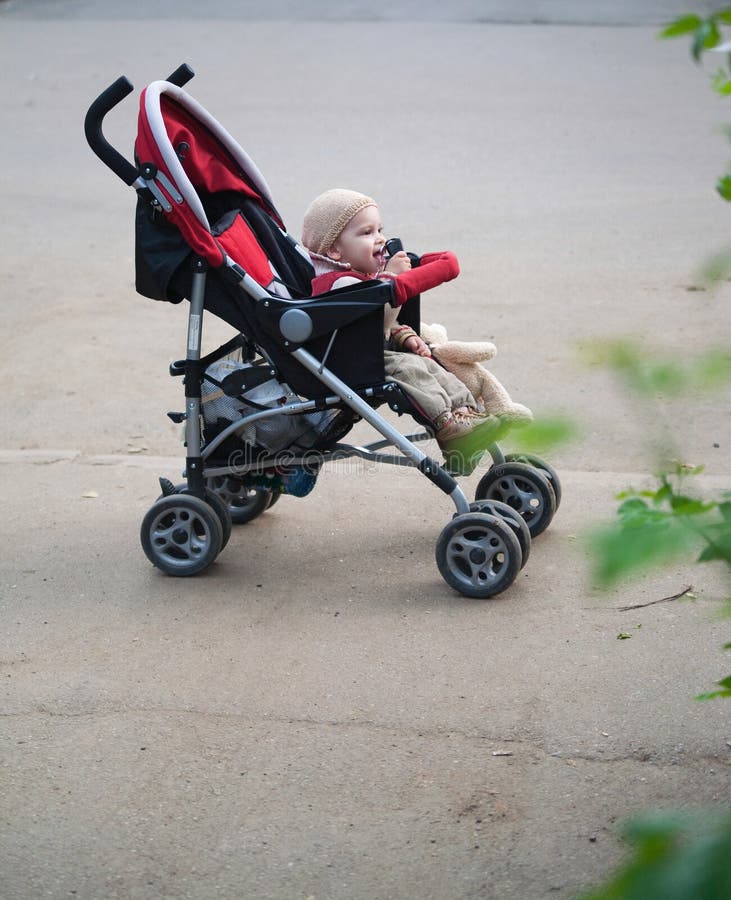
(159, 132)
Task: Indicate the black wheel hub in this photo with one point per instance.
(477, 556)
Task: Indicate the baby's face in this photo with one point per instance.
(361, 242)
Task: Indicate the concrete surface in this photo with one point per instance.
(319, 716)
(547, 12)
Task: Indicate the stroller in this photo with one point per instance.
(265, 411)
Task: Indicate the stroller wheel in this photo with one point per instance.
(544, 468)
(244, 503)
(219, 507)
(181, 534)
(224, 516)
(524, 488)
(513, 519)
(478, 555)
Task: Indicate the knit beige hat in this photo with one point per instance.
(328, 215)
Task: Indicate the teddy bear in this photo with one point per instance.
(463, 359)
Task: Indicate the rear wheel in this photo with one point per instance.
(244, 503)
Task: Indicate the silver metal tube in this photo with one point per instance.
(290, 409)
(195, 316)
(365, 411)
(195, 337)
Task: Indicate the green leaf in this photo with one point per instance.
(681, 25)
(720, 82)
(713, 368)
(725, 691)
(706, 36)
(631, 507)
(716, 267)
(665, 377)
(713, 38)
(712, 552)
(682, 469)
(688, 506)
(542, 434)
(718, 539)
(723, 186)
(673, 857)
(648, 373)
(724, 16)
(713, 695)
(638, 543)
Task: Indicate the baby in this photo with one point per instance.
(343, 233)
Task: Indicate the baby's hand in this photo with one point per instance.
(415, 344)
(398, 263)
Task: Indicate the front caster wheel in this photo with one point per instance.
(478, 555)
(244, 503)
(213, 499)
(524, 488)
(512, 517)
(181, 534)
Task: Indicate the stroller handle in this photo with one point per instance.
(112, 158)
(181, 75)
(106, 101)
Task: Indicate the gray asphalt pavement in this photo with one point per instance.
(319, 715)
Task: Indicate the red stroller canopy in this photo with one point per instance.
(198, 157)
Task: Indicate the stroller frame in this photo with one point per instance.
(342, 393)
(479, 552)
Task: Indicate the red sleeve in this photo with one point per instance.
(433, 270)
